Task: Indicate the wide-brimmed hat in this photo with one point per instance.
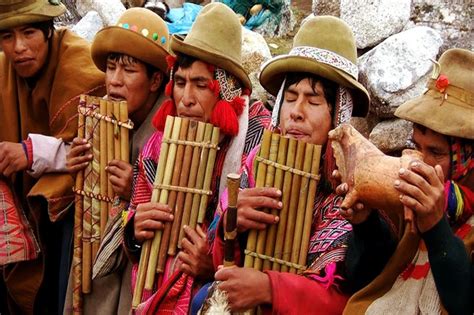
(14, 13)
(139, 33)
(324, 46)
(216, 38)
(447, 107)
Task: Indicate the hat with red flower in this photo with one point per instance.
(447, 106)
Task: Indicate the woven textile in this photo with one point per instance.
(17, 242)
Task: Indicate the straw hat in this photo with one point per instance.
(447, 107)
(216, 38)
(14, 13)
(139, 33)
(324, 46)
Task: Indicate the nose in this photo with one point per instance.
(297, 110)
(116, 77)
(20, 45)
(188, 98)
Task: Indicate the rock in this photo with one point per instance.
(373, 21)
(109, 10)
(255, 52)
(397, 69)
(391, 135)
(452, 19)
(88, 26)
(327, 7)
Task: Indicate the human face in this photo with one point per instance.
(26, 48)
(305, 114)
(435, 148)
(191, 93)
(127, 79)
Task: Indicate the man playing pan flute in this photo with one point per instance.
(207, 84)
(43, 71)
(317, 90)
(429, 269)
(134, 72)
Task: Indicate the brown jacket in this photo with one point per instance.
(49, 108)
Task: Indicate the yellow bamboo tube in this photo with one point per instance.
(172, 196)
(260, 182)
(110, 149)
(95, 176)
(286, 194)
(178, 235)
(103, 164)
(87, 216)
(200, 177)
(117, 149)
(230, 234)
(313, 184)
(124, 133)
(278, 183)
(146, 248)
(164, 194)
(183, 182)
(301, 210)
(208, 174)
(77, 254)
(269, 182)
(295, 189)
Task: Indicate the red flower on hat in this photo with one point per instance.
(442, 83)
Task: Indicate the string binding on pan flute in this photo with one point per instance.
(105, 125)
(182, 181)
(291, 166)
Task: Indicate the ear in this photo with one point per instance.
(156, 80)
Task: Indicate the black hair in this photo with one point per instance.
(127, 60)
(184, 61)
(46, 27)
(329, 87)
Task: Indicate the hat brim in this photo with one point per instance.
(273, 73)
(43, 13)
(116, 39)
(179, 46)
(448, 117)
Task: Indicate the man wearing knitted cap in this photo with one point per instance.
(207, 84)
(42, 73)
(429, 270)
(136, 73)
(317, 89)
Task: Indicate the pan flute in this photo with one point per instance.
(105, 125)
(183, 180)
(293, 167)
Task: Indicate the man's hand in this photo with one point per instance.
(422, 191)
(249, 202)
(78, 156)
(195, 257)
(12, 158)
(358, 213)
(150, 217)
(245, 287)
(120, 176)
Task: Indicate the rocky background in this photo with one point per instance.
(396, 41)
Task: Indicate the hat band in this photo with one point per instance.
(328, 57)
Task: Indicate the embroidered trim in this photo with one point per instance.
(328, 57)
(230, 87)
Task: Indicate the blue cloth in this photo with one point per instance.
(182, 18)
(198, 299)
